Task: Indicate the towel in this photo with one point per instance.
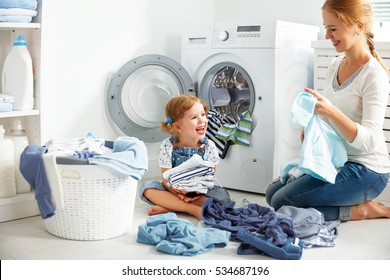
(5, 107)
(194, 162)
(129, 157)
(18, 12)
(20, 19)
(6, 98)
(54, 178)
(22, 4)
(322, 151)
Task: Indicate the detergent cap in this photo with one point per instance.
(20, 41)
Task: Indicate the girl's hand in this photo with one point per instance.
(188, 199)
(183, 195)
(324, 107)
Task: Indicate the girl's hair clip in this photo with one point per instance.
(169, 120)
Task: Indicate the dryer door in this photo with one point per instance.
(137, 94)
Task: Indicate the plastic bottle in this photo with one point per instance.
(7, 167)
(20, 141)
(17, 78)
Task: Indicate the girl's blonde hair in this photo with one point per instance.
(175, 109)
(352, 12)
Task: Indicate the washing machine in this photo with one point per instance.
(235, 67)
(257, 67)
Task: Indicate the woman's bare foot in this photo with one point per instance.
(369, 210)
(157, 209)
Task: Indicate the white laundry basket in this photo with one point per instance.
(98, 203)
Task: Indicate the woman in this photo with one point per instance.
(354, 104)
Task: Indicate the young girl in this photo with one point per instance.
(186, 123)
(354, 103)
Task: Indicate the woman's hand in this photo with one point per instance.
(324, 107)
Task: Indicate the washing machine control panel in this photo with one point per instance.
(232, 35)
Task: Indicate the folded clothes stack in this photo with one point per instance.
(20, 11)
(6, 102)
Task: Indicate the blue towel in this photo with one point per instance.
(22, 4)
(19, 19)
(129, 157)
(322, 151)
(176, 236)
(5, 107)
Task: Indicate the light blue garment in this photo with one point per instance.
(176, 236)
(5, 107)
(129, 157)
(19, 19)
(322, 151)
(22, 4)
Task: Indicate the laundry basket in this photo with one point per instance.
(98, 203)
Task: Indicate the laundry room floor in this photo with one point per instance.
(27, 239)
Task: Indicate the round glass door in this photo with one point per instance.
(228, 89)
(138, 92)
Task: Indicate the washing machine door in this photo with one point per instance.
(228, 88)
(137, 94)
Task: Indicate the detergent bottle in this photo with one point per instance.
(17, 76)
(7, 166)
(20, 141)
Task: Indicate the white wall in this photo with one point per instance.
(85, 41)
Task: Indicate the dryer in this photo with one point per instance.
(260, 67)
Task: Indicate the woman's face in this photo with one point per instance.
(342, 37)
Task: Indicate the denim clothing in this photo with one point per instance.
(354, 184)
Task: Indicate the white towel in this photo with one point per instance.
(18, 12)
(195, 161)
(53, 178)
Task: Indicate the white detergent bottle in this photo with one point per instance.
(7, 167)
(17, 78)
(20, 141)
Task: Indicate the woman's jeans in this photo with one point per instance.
(354, 184)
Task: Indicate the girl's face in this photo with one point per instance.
(193, 125)
(342, 37)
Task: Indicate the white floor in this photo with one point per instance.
(27, 239)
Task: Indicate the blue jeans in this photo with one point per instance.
(354, 184)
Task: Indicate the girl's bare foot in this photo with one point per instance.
(369, 210)
(157, 209)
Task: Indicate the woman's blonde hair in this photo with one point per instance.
(353, 12)
(175, 109)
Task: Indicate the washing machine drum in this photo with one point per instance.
(137, 94)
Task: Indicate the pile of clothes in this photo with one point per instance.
(6, 102)
(20, 11)
(194, 175)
